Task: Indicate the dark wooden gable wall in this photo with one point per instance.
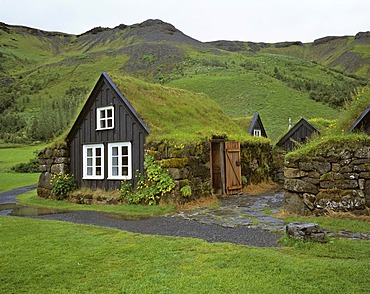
(128, 127)
(362, 124)
(298, 133)
(256, 124)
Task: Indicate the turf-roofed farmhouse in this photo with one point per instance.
(107, 140)
(297, 135)
(124, 120)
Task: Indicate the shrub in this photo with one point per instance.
(151, 188)
(126, 189)
(61, 185)
(27, 167)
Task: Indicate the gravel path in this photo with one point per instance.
(9, 196)
(173, 226)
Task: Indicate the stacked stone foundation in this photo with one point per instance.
(53, 161)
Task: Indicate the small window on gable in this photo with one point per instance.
(257, 133)
(105, 118)
(93, 161)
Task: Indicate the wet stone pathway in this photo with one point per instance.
(252, 211)
(242, 219)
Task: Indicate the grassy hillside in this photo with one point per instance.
(39, 68)
(245, 85)
(352, 111)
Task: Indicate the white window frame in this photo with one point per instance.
(94, 166)
(105, 118)
(119, 164)
(257, 133)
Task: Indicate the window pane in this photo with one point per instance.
(124, 171)
(125, 160)
(102, 124)
(124, 150)
(109, 123)
(89, 151)
(115, 161)
(89, 162)
(115, 171)
(98, 161)
(102, 113)
(109, 112)
(98, 152)
(98, 171)
(89, 171)
(115, 151)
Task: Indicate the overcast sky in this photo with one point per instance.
(205, 20)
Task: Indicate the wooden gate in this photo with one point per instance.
(226, 174)
(233, 170)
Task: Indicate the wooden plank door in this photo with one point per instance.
(233, 167)
(217, 167)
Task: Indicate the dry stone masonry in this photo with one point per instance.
(334, 179)
(52, 162)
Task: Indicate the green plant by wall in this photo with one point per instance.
(244, 181)
(126, 189)
(151, 188)
(61, 185)
(186, 191)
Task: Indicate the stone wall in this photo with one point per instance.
(337, 178)
(256, 161)
(277, 165)
(52, 162)
(188, 165)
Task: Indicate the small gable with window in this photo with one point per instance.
(106, 142)
(256, 127)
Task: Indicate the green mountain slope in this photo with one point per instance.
(345, 53)
(38, 68)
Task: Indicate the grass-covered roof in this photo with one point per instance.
(177, 115)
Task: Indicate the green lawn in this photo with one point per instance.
(10, 181)
(12, 156)
(55, 257)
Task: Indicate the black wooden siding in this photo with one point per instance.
(256, 124)
(297, 134)
(362, 124)
(127, 128)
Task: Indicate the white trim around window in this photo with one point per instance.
(93, 162)
(257, 133)
(105, 118)
(119, 161)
